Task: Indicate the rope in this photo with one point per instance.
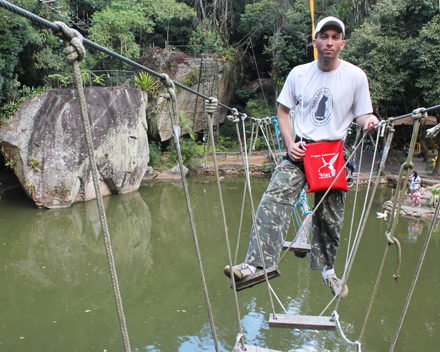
(416, 277)
(254, 220)
(379, 276)
(259, 78)
(268, 121)
(355, 200)
(417, 115)
(57, 27)
(75, 52)
(277, 132)
(237, 347)
(210, 108)
(234, 118)
(357, 343)
(361, 228)
(267, 142)
(172, 103)
(43, 22)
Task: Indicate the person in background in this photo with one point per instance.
(415, 182)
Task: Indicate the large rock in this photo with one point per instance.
(46, 145)
(190, 104)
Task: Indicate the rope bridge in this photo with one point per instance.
(75, 52)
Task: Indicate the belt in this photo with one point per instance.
(297, 139)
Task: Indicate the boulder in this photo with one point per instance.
(188, 103)
(45, 143)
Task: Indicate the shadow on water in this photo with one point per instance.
(56, 289)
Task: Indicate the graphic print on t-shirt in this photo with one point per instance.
(322, 106)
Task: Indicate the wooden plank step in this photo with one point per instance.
(256, 278)
(258, 349)
(297, 247)
(310, 322)
(301, 240)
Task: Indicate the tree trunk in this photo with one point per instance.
(437, 141)
(436, 168)
(422, 140)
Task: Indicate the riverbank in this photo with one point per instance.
(230, 164)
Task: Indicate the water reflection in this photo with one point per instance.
(56, 288)
(415, 228)
(55, 267)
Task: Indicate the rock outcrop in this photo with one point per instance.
(190, 104)
(45, 144)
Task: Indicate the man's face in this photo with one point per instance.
(329, 42)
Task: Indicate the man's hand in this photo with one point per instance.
(368, 122)
(296, 152)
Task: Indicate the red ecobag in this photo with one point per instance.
(322, 163)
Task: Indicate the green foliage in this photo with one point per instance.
(16, 32)
(433, 200)
(61, 190)
(259, 108)
(117, 26)
(124, 26)
(11, 107)
(226, 144)
(155, 155)
(56, 80)
(33, 163)
(244, 94)
(429, 61)
(260, 143)
(99, 79)
(147, 83)
(206, 35)
(8, 109)
(397, 52)
(278, 25)
(189, 151)
(30, 186)
(8, 160)
(230, 54)
(187, 125)
(191, 78)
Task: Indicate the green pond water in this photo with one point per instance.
(56, 293)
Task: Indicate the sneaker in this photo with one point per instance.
(240, 271)
(335, 285)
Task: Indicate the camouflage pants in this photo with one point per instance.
(274, 214)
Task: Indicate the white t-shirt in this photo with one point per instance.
(332, 100)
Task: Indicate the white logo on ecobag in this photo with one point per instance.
(327, 164)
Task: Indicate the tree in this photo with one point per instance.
(285, 28)
(385, 46)
(124, 26)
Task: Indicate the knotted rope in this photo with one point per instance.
(75, 52)
(234, 118)
(210, 108)
(170, 95)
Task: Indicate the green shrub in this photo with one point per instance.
(258, 108)
(155, 154)
(433, 200)
(225, 143)
(189, 150)
(187, 125)
(244, 94)
(260, 143)
(12, 106)
(147, 83)
(191, 78)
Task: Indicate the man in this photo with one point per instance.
(331, 93)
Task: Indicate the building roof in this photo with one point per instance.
(429, 121)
